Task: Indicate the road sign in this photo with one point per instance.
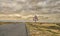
(35, 18)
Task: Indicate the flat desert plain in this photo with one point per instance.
(43, 29)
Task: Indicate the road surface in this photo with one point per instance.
(13, 30)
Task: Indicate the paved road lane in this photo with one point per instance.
(13, 30)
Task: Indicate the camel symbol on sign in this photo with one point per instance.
(35, 18)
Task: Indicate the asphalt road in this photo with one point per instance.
(13, 30)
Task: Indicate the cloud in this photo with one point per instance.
(38, 6)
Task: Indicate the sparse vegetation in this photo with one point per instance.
(38, 29)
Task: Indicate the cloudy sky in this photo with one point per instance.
(30, 6)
